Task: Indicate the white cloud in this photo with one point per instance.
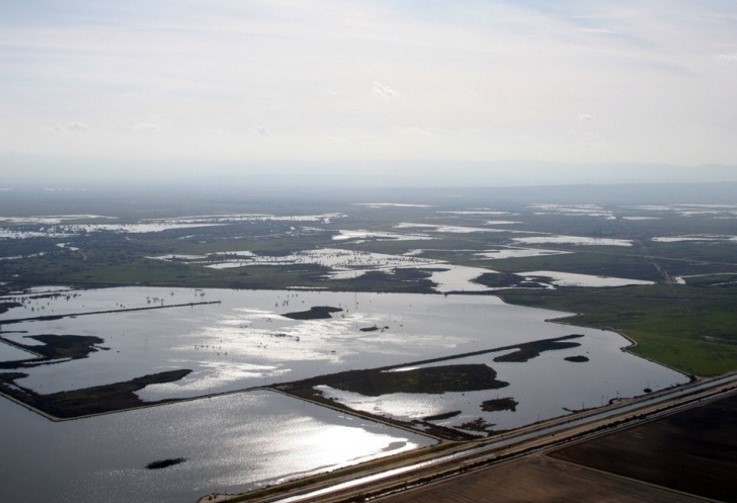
(147, 127)
(599, 31)
(262, 130)
(413, 131)
(379, 90)
(491, 80)
(731, 57)
(73, 127)
(472, 93)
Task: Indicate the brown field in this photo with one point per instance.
(692, 452)
(540, 479)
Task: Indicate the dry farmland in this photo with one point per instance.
(680, 458)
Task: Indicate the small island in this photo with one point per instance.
(164, 463)
(499, 404)
(314, 313)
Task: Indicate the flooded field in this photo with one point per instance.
(204, 342)
(217, 341)
(383, 310)
(12, 353)
(691, 210)
(558, 278)
(696, 238)
(573, 240)
(244, 340)
(227, 444)
(511, 252)
(532, 382)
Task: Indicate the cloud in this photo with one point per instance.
(73, 127)
(506, 69)
(262, 130)
(597, 31)
(147, 127)
(472, 93)
(413, 131)
(379, 90)
(731, 57)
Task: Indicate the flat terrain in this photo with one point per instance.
(683, 242)
(540, 479)
(691, 328)
(692, 452)
(655, 263)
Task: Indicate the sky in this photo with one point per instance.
(479, 89)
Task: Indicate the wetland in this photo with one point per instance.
(166, 340)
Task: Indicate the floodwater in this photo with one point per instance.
(698, 237)
(559, 278)
(573, 240)
(361, 236)
(245, 341)
(58, 226)
(349, 264)
(394, 205)
(692, 210)
(242, 440)
(544, 387)
(585, 210)
(337, 259)
(450, 229)
(458, 278)
(230, 443)
(11, 353)
(509, 252)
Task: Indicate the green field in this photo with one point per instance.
(688, 328)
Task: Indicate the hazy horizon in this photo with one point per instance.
(418, 174)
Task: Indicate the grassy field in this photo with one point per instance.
(689, 328)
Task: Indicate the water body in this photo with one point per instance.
(231, 443)
(243, 440)
(509, 252)
(559, 278)
(246, 341)
(543, 387)
(11, 353)
(573, 240)
(698, 237)
(458, 278)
